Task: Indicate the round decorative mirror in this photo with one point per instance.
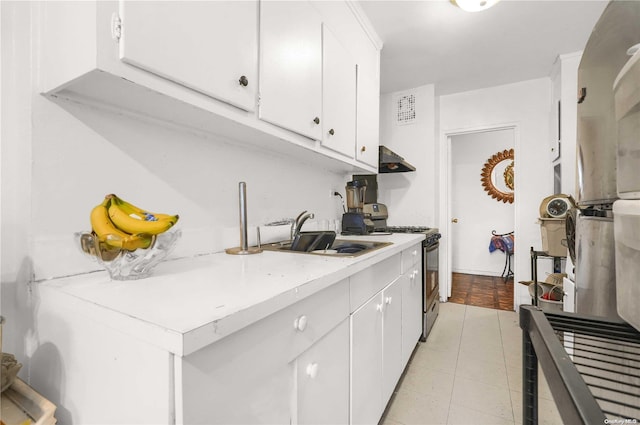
(498, 176)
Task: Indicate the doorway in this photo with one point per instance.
(473, 216)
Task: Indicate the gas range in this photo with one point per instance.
(432, 234)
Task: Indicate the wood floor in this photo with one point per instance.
(482, 291)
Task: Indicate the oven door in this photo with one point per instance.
(431, 289)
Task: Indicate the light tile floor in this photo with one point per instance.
(468, 372)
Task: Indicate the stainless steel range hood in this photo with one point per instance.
(391, 162)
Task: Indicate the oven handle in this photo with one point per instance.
(431, 247)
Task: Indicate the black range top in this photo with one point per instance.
(432, 234)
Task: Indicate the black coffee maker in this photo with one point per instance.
(354, 221)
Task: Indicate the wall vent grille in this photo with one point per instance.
(405, 109)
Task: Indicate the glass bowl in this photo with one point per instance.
(128, 265)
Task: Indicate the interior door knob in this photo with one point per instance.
(454, 220)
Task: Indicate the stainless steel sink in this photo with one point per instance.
(339, 248)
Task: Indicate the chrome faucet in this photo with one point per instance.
(296, 225)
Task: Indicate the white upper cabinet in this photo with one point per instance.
(291, 66)
(245, 70)
(338, 95)
(208, 46)
(368, 128)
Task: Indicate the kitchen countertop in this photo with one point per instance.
(192, 302)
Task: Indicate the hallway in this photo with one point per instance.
(482, 291)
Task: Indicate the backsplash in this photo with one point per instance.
(81, 153)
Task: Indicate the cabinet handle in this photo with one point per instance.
(379, 307)
(300, 324)
(316, 120)
(362, 149)
(243, 81)
(312, 370)
(331, 132)
(388, 300)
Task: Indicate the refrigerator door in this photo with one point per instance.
(627, 109)
(627, 254)
(604, 56)
(595, 267)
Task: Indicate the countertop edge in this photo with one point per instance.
(187, 342)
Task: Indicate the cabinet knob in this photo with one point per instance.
(243, 81)
(331, 132)
(316, 120)
(300, 324)
(379, 307)
(388, 300)
(312, 370)
(362, 149)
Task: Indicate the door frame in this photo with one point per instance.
(444, 198)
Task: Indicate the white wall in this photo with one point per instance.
(477, 212)
(60, 160)
(410, 197)
(525, 106)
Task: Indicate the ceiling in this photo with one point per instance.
(434, 42)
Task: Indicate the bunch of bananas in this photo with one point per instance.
(122, 226)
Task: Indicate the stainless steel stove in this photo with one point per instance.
(430, 287)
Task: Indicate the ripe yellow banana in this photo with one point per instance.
(134, 220)
(108, 234)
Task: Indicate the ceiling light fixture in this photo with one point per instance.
(474, 5)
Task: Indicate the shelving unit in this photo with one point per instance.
(534, 268)
(591, 364)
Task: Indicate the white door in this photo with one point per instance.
(475, 213)
(291, 66)
(366, 362)
(411, 283)
(215, 54)
(391, 338)
(338, 96)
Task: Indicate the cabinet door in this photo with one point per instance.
(206, 46)
(391, 339)
(411, 311)
(338, 96)
(323, 379)
(368, 118)
(291, 66)
(366, 362)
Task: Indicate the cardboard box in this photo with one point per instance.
(554, 236)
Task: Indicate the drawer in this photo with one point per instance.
(284, 335)
(411, 257)
(305, 322)
(367, 283)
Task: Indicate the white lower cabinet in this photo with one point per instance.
(411, 283)
(392, 365)
(384, 331)
(376, 362)
(250, 376)
(322, 377)
(333, 357)
(366, 362)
